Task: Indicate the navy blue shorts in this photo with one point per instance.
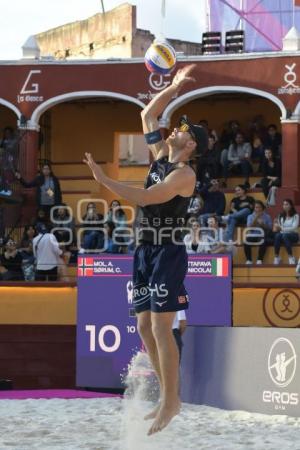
(158, 276)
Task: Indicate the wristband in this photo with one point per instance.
(153, 137)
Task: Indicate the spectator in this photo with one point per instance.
(238, 159)
(64, 224)
(26, 251)
(241, 207)
(48, 189)
(257, 129)
(260, 237)
(93, 225)
(11, 263)
(41, 218)
(273, 140)
(229, 133)
(116, 214)
(214, 202)
(286, 231)
(209, 162)
(47, 254)
(110, 246)
(214, 236)
(271, 170)
(193, 241)
(8, 157)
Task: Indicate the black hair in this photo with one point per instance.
(293, 212)
(272, 125)
(260, 203)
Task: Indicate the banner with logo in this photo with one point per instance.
(252, 369)
(106, 325)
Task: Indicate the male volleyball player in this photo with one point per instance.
(160, 261)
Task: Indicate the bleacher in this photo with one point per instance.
(77, 183)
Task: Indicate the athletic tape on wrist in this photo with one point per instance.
(153, 137)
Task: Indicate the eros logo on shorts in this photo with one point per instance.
(282, 365)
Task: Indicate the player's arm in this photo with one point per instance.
(179, 182)
(157, 105)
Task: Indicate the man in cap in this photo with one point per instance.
(160, 261)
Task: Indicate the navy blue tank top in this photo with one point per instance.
(161, 223)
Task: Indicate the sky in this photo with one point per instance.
(20, 19)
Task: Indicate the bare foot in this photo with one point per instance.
(153, 413)
(164, 416)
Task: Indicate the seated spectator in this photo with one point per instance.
(229, 133)
(273, 140)
(193, 240)
(92, 238)
(11, 263)
(214, 202)
(271, 170)
(238, 159)
(116, 214)
(26, 251)
(209, 162)
(48, 189)
(286, 231)
(110, 244)
(261, 236)
(204, 123)
(257, 128)
(63, 224)
(47, 254)
(241, 207)
(41, 218)
(214, 237)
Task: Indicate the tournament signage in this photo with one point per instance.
(107, 335)
(252, 369)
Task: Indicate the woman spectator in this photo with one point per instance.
(116, 214)
(48, 188)
(286, 231)
(109, 243)
(241, 207)
(63, 225)
(214, 236)
(261, 236)
(11, 263)
(26, 251)
(238, 159)
(271, 170)
(193, 241)
(93, 234)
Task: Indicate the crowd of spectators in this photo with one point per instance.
(53, 239)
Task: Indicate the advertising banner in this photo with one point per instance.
(107, 334)
(252, 369)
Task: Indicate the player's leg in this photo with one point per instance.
(169, 367)
(144, 326)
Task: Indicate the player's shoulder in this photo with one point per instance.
(185, 169)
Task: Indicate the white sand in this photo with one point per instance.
(116, 424)
(95, 424)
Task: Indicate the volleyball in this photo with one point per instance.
(160, 57)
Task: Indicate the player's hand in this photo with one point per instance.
(97, 171)
(183, 75)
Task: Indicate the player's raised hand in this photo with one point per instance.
(95, 168)
(183, 75)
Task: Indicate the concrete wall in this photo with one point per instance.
(113, 35)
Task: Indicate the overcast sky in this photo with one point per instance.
(22, 18)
